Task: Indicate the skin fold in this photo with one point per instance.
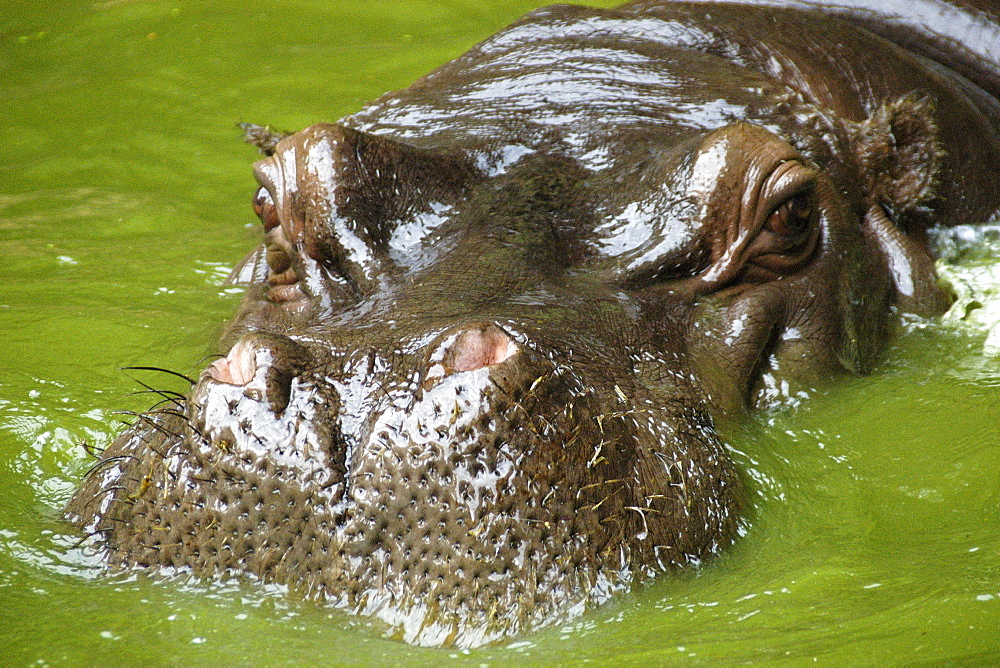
(496, 315)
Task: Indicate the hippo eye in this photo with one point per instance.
(791, 230)
(263, 206)
(793, 216)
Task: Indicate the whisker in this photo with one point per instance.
(158, 403)
(91, 450)
(156, 368)
(154, 424)
(165, 411)
(89, 536)
(166, 394)
(108, 460)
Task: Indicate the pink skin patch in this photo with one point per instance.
(236, 368)
(479, 347)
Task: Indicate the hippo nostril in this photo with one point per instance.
(479, 347)
(264, 365)
(238, 367)
(476, 347)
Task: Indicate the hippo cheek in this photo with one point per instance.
(775, 340)
(736, 341)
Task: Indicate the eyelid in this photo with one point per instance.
(268, 173)
(266, 209)
(789, 179)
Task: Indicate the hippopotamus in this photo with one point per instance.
(497, 317)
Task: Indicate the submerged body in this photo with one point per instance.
(471, 389)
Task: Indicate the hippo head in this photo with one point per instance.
(472, 386)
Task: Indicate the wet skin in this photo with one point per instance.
(496, 315)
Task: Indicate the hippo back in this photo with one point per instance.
(605, 86)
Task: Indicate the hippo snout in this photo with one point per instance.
(265, 385)
(457, 487)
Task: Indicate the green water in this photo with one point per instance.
(124, 199)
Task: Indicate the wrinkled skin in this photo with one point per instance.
(473, 384)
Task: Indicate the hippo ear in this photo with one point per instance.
(899, 154)
(264, 137)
